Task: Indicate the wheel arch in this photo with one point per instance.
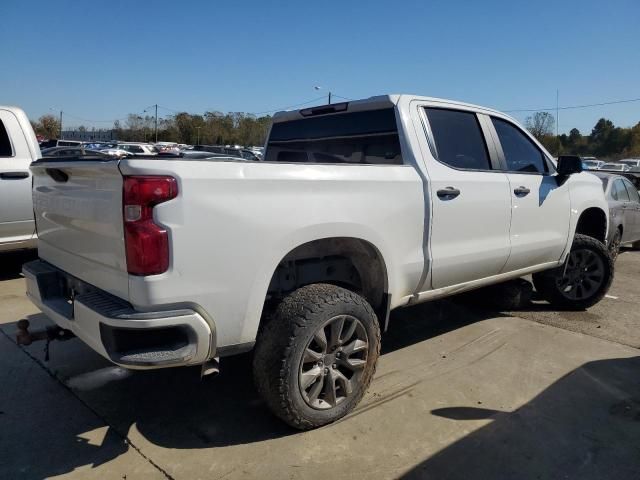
(346, 261)
(593, 223)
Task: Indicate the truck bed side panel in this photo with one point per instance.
(233, 222)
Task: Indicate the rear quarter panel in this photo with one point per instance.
(234, 221)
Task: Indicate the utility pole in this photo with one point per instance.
(557, 114)
(60, 123)
(318, 87)
(198, 128)
(156, 105)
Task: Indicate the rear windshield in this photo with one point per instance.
(369, 137)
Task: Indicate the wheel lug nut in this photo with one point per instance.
(326, 370)
(333, 366)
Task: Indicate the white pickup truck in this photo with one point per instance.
(358, 208)
(18, 148)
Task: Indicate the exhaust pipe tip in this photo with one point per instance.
(211, 368)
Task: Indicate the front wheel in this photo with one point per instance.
(583, 281)
(316, 357)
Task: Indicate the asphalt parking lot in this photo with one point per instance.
(459, 393)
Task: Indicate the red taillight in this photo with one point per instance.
(146, 243)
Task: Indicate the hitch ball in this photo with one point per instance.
(23, 337)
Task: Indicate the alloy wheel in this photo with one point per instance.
(333, 362)
(583, 276)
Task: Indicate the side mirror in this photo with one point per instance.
(568, 165)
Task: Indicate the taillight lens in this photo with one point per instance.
(146, 242)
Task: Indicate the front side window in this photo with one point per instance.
(520, 153)
(366, 137)
(5, 144)
(458, 139)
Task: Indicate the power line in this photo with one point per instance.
(343, 98)
(572, 107)
(289, 106)
(173, 110)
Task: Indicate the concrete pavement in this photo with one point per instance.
(458, 394)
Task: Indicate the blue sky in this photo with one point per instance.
(99, 60)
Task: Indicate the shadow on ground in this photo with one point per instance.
(11, 263)
(586, 425)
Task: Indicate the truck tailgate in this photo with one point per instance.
(78, 211)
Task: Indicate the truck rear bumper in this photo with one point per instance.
(111, 326)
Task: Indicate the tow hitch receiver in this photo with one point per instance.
(25, 337)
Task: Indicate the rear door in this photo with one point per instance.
(469, 199)
(16, 213)
(633, 210)
(620, 193)
(540, 208)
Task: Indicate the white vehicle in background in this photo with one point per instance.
(591, 163)
(138, 149)
(631, 162)
(358, 208)
(615, 167)
(115, 151)
(257, 151)
(18, 148)
(167, 147)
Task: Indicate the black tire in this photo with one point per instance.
(636, 245)
(614, 247)
(564, 290)
(283, 357)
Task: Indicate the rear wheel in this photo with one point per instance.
(316, 357)
(583, 281)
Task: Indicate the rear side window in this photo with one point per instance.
(633, 192)
(520, 153)
(369, 137)
(458, 138)
(5, 144)
(619, 192)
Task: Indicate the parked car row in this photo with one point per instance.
(624, 165)
(133, 149)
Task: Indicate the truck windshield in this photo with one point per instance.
(366, 137)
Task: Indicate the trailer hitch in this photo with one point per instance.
(48, 334)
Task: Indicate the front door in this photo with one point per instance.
(16, 211)
(540, 207)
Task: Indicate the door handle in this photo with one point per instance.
(521, 191)
(14, 175)
(448, 193)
